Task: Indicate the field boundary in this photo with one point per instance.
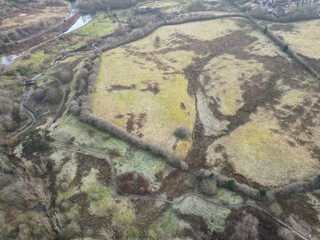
(171, 157)
(204, 16)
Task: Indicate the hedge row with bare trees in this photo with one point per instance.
(172, 158)
(298, 187)
(98, 5)
(278, 41)
(83, 87)
(280, 192)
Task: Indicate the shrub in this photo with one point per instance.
(38, 94)
(246, 228)
(182, 133)
(230, 184)
(34, 143)
(74, 107)
(5, 105)
(12, 141)
(65, 76)
(135, 34)
(8, 123)
(53, 95)
(263, 192)
(156, 41)
(133, 233)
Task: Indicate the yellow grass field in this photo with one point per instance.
(135, 67)
(162, 111)
(303, 37)
(227, 72)
(259, 150)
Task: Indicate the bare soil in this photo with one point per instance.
(132, 183)
(121, 88)
(86, 163)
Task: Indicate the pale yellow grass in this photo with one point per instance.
(164, 114)
(293, 97)
(264, 156)
(297, 98)
(263, 47)
(206, 30)
(228, 73)
(304, 38)
(163, 110)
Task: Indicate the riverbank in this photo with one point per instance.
(56, 30)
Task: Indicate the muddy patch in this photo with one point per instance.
(152, 87)
(132, 183)
(120, 88)
(87, 162)
(135, 123)
(256, 94)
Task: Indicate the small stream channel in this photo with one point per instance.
(6, 61)
(24, 96)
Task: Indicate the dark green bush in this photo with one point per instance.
(263, 192)
(34, 143)
(230, 184)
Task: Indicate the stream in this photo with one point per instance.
(26, 93)
(83, 20)
(6, 61)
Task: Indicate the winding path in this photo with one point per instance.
(102, 154)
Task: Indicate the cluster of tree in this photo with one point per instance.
(247, 228)
(281, 192)
(284, 46)
(50, 94)
(10, 114)
(87, 74)
(102, 5)
(34, 142)
(85, 77)
(294, 188)
(242, 189)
